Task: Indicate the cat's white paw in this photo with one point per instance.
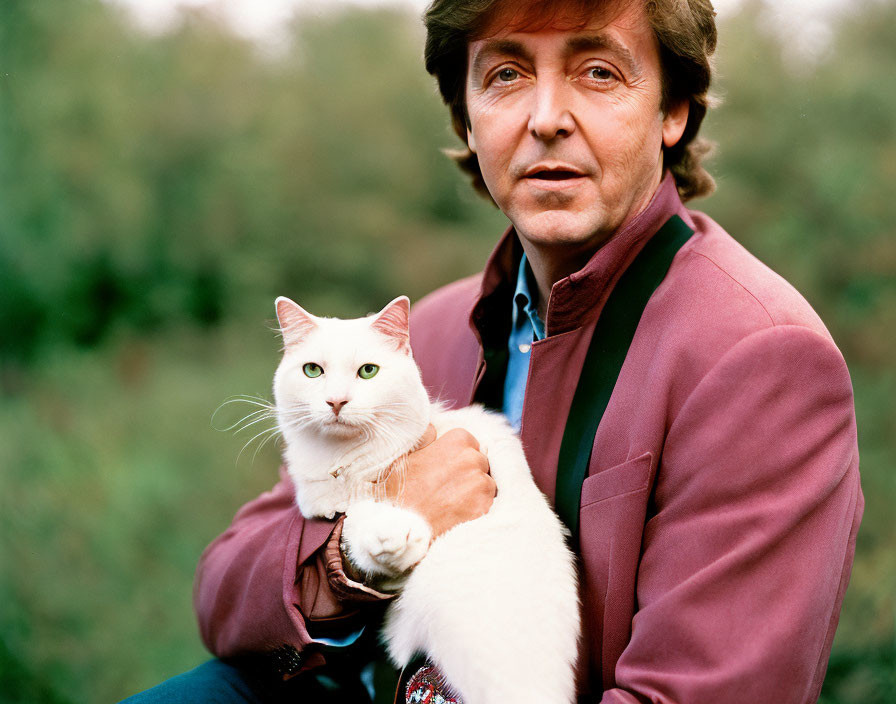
(385, 539)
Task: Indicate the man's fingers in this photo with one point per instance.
(427, 438)
(471, 457)
(489, 486)
(460, 438)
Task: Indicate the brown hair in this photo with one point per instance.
(685, 29)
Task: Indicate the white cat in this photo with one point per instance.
(493, 601)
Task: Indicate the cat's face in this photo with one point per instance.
(345, 378)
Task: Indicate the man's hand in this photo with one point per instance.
(446, 481)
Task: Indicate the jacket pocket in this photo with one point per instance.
(632, 475)
(612, 513)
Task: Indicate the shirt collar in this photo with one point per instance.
(524, 302)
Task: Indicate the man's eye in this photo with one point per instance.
(508, 74)
(601, 74)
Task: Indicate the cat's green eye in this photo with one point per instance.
(368, 371)
(312, 370)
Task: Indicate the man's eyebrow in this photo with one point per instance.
(498, 47)
(592, 42)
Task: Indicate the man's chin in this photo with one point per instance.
(560, 228)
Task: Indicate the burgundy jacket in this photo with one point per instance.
(719, 515)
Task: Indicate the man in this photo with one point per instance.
(716, 522)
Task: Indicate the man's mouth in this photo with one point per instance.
(554, 175)
(553, 171)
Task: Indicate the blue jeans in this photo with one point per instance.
(220, 682)
(215, 681)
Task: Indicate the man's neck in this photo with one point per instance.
(552, 263)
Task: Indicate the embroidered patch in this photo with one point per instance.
(427, 686)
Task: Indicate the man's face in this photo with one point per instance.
(567, 125)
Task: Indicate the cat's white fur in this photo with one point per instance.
(493, 602)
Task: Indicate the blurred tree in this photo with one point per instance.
(149, 180)
(806, 163)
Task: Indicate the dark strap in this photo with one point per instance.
(612, 337)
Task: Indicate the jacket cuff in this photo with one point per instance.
(342, 585)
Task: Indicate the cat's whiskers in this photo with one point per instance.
(270, 432)
(248, 398)
(266, 411)
(252, 419)
(300, 423)
(296, 417)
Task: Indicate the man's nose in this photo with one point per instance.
(551, 116)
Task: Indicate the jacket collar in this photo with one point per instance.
(576, 300)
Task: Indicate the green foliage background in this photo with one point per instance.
(157, 192)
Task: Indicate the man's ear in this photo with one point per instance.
(674, 122)
(471, 140)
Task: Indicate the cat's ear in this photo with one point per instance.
(392, 321)
(295, 323)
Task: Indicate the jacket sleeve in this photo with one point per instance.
(748, 549)
(269, 579)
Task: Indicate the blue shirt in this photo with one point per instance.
(526, 327)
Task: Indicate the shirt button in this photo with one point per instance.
(525, 348)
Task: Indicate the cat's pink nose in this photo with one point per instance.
(337, 404)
